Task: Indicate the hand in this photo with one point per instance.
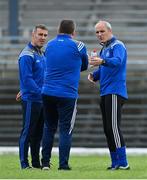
(90, 78)
(95, 61)
(18, 96)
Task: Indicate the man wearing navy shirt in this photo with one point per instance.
(31, 73)
(65, 59)
(111, 74)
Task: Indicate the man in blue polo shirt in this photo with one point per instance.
(65, 59)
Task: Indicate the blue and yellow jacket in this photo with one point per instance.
(65, 59)
(112, 74)
(31, 73)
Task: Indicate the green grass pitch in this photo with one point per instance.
(83, 167)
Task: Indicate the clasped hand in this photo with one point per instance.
(95, 61)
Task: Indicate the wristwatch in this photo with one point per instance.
(103, 61)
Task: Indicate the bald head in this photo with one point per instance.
(104, 23)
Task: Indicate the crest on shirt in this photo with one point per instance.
(37, 61)
(107, 54)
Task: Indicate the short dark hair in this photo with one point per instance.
(40, 26)
(67, 26)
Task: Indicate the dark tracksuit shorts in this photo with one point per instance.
(60, 111)
(111, 107)
(31, 134)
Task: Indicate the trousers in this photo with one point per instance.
(31, 134)
(58, 111)
(111, 108)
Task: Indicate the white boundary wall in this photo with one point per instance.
(80, 151)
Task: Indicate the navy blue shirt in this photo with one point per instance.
(65, 59)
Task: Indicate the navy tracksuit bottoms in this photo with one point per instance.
(62, 111)
(31, 134)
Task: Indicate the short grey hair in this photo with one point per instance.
(108, 25)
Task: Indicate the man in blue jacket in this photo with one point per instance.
(111, 74)
(65, 59)
(31, 73)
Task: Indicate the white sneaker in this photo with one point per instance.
(46, 168)
(124, 167)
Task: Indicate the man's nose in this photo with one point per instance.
(44, 37)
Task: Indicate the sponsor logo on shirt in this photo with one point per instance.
(61, 40)
(107, 54)
(37, 61)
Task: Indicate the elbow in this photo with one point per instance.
(83, 68)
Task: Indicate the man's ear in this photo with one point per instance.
(32, 34)
(73, 34)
